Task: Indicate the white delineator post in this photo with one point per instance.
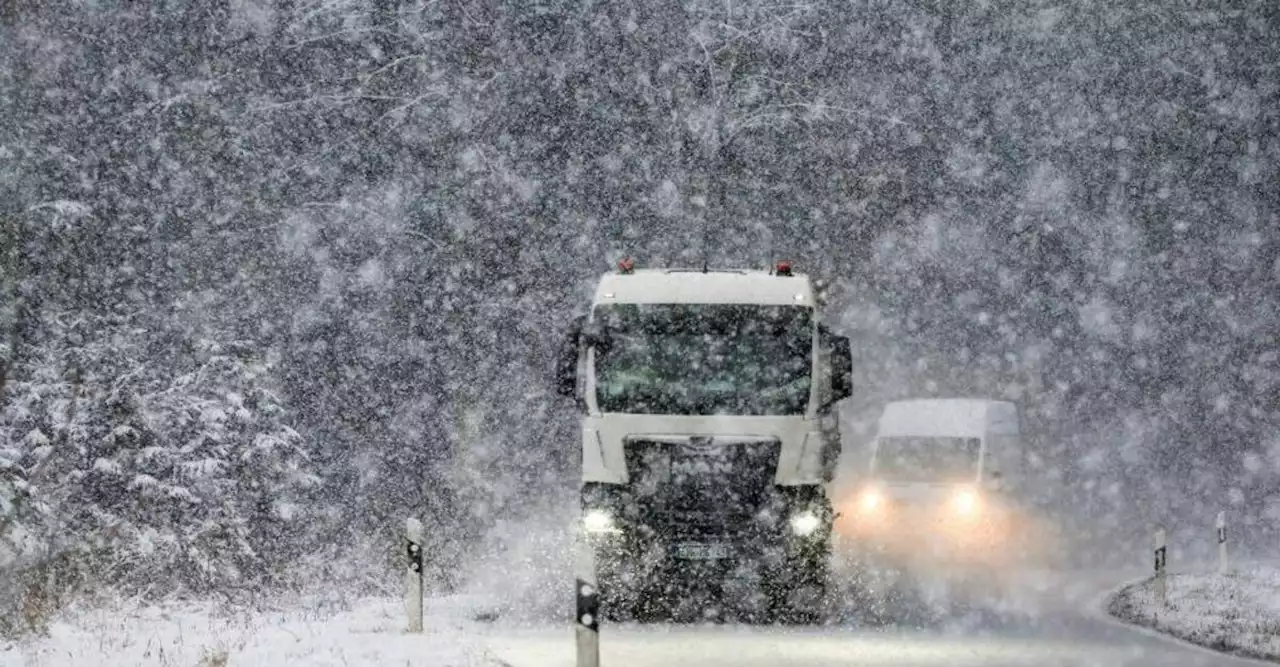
(1161, 561)
(1222, 542)
(413, 574)
(587, 618)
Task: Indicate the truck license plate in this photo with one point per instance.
(701, 551)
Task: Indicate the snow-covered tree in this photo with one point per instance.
(184, 477)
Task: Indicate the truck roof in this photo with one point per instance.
(960, 417)
(711, 287)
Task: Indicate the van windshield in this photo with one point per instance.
(926, 459)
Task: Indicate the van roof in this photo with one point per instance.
(960, 417)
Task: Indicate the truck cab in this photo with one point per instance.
(709, 435)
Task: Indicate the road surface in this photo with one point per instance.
(1057, 624)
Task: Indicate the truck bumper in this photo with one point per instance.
(647, 562)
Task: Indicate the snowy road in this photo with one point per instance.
(1077, 645)
(1029, 624)
(1057, 627)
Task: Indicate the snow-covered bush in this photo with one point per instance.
(22, 516)
(24, 531)
(172, 481)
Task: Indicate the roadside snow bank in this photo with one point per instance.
(365, 632)
(1237, 613)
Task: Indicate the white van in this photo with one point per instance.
(947, 441)
(946, 492)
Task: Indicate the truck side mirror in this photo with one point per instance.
(841, 368)
(567, 359)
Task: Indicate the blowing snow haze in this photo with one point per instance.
(278, 274)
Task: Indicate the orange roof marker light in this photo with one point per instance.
(626, 266)
(783, 268)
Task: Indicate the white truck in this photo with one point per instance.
(709, 436)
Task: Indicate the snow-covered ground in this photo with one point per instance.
(476, 630)
(356, 634)
(1238, 612)
(522, 576)
(512, 606)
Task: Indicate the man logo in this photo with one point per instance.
(702, 456)
(700, 466)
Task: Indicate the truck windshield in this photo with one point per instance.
(704, 359)
(926, 459)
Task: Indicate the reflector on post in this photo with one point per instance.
(587, 629)
(1161, 576)
(413, 576)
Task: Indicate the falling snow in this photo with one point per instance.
(277, 274)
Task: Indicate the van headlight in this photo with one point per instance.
(965, 502)
(598, 521)
(805, 523)
(870, 501)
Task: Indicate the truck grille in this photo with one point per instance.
(703, 487)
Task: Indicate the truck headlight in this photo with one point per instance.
(598, 521)
(805, 523)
